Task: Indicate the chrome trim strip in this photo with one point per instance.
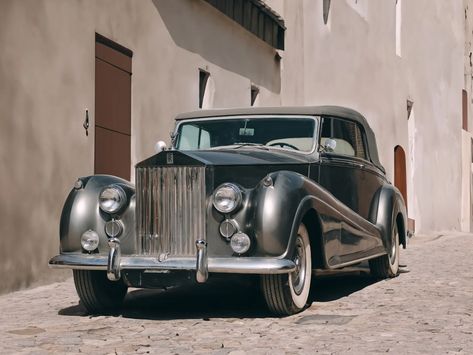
(238, 265)
(353, 262)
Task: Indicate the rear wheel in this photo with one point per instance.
(97, 293)
(288, 294)
(387, 266)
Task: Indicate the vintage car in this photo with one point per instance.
(276, 192)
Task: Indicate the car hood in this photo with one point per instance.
(245, 166)
(243, 156)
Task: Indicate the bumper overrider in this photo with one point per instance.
(202, 264)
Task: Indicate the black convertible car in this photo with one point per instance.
(275, 192)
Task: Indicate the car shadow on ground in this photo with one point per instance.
(227, 297)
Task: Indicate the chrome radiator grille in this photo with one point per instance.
(170, 210)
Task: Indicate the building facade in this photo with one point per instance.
(86, 83)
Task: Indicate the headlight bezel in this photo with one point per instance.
(119, 203)
(238, 197)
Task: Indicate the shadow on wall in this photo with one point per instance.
(201, 29)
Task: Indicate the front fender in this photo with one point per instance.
(279, 208)
(81, 212)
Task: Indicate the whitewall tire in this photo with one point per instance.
(387, 266)
(288, 294)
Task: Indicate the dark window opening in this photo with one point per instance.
(410, 104)
(465, 110)
(326, 10)
(472, 151)
(203, 78)
(254, 94)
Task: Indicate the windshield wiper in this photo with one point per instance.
(238, 145)
(248, 144)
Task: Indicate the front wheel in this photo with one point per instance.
(387, 266)
(97, 293)
(288, 294)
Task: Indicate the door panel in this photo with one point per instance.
(113, 87)
(112, 153)
(114, 54)
(346, 174)
(112, 108)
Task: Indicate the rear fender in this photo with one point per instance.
(388, 208)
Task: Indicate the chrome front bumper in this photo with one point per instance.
(237, 265)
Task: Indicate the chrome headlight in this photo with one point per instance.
(227, 198)
(112, 199)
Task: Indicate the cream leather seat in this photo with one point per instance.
(342, 147)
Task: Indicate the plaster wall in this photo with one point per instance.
(434, 74)
(360, 59)
(467, 188)
(47, 81)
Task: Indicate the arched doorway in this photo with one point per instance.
(400, 180)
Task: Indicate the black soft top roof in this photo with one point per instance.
(335, 111)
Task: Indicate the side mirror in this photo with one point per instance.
(159, 147)
(329, 145)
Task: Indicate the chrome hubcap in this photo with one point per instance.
(394, 242)
(298, 276)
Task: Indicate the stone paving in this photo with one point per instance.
(426, 311)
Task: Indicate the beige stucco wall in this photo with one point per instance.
(467, 145)
(47, 81)
(352, 61)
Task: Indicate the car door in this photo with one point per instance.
(343, 172)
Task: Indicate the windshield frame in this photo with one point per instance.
(316, 119)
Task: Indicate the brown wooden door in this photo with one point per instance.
(400, 179)
(112, 108)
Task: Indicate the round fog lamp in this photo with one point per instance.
(240, 243)
(89, 240)
(227, 198)
(112, 198)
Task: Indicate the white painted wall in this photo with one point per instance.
(373, 56)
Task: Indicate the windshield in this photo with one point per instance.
(294, 133)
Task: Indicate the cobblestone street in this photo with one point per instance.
(428, 310)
